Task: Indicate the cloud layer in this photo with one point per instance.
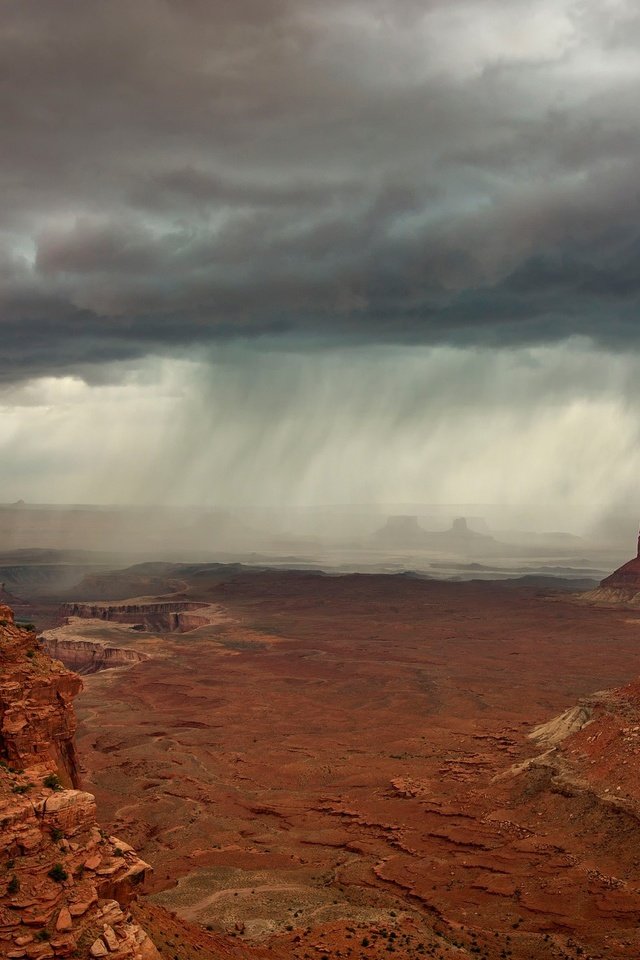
(177, 173)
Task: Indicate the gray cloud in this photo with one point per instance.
(548, 428)
(180, 173)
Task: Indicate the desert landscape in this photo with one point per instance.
(319, 460)
(320, 765)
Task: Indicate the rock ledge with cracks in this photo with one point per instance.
(64, 885)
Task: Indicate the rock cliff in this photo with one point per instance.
(37, 723)
(64, 884)
(161, 616)
(85, 656)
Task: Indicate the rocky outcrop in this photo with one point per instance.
(37, 722)
(611, 597)
(554, 731)
(166, 616)
(592, 749)
(622, 587)
(64, 884)
(626, 577)
(86, 656)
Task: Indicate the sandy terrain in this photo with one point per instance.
(325, 766)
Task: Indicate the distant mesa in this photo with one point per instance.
(461, 530)
(405, 532)
(401, 531)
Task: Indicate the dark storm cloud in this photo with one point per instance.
(174, 173)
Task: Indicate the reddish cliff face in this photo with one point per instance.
(37, 722)
(64, 885)
(162, 616)
(595, 748)
(127, 612)
(625, 577)
(621, 588)
(86, 657)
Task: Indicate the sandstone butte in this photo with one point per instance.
(626, 577)
(622, 587)
(64, 885)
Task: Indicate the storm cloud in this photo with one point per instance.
(554, 425)
(283, 252)
(176, 174)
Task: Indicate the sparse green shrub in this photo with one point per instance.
(58, 873)
(14, 885)
(57, 834)
(52, 781)
(21, 787)
(43, 935)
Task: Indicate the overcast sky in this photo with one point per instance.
(360, 218)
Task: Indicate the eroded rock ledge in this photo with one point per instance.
(87, 656)
(162, 616)
(64, 885)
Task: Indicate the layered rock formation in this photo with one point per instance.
(621, 587)
(624, 583)
(593, 749)
(85, 656)
(64, 884)
(156, 615)
(37, 723)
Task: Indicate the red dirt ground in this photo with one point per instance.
(317, 770)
